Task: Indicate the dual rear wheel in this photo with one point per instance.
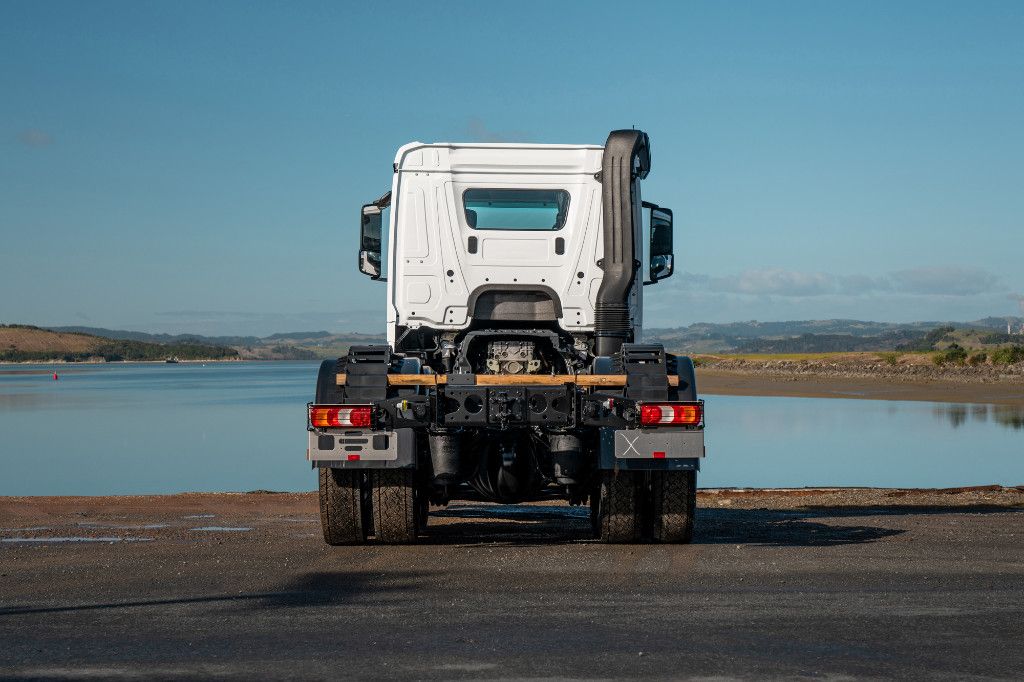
(632, 505)
(384, 503)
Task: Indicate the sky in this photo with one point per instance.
(198, 167)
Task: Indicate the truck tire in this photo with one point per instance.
(341, 507)
(618, 508)
(673, 505)
(394, 505)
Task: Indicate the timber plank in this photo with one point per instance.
(512, 379)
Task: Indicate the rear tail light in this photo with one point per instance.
(322, 416)
(671, 414)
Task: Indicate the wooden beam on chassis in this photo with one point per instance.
(512, 379)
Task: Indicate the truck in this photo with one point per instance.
(514, 368)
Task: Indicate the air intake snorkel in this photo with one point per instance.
(627, 157)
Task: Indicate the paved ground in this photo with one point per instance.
(858, 583)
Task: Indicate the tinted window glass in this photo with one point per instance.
(515, 209)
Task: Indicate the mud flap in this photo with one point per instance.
(362, 449)
(651, 449)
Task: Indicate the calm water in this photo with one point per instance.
(156, 428)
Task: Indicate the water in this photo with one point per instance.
(158, 428)
(154, 428)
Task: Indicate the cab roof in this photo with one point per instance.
(490, 157)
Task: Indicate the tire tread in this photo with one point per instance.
(619, 507)
(394, 506)
(674, 505)
(341, 514)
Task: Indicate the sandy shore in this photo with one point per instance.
(721, 381)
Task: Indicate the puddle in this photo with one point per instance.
(23, 530)
(226, 529)
(199, 516)
(148, 526)
(75, 539)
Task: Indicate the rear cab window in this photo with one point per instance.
(515, 209)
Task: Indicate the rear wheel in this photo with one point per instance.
(341, 507)
(618, 507)
(395, 505)
(673, 505)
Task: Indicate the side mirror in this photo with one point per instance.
(370, 225)
(662, 259)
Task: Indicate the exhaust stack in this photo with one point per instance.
(627, 157)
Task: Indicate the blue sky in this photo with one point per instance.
(198, 166)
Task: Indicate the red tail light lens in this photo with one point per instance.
(671, 414)
(323, 417)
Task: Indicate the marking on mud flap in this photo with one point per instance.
(630, 445)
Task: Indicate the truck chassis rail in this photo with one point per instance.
(585, 380)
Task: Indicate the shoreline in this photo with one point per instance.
(131, 362)
(784, 380)
(718, 381)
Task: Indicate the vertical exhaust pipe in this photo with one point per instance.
(627, 157)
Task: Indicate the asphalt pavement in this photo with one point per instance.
(242, 586)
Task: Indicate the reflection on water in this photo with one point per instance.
(1009, 416)
(163, 428)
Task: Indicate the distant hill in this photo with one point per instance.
(25, 343)
(159, 338)
(289, 345)
(283, 346)
(813, 336)
(299, 335)
(794, 336)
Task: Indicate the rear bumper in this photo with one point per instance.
(654, 449)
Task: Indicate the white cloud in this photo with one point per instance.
(477, 131)
(924, 281)
(776, 282)
(926, 293)
(946, 280)
(854, 285)
(33, 137)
